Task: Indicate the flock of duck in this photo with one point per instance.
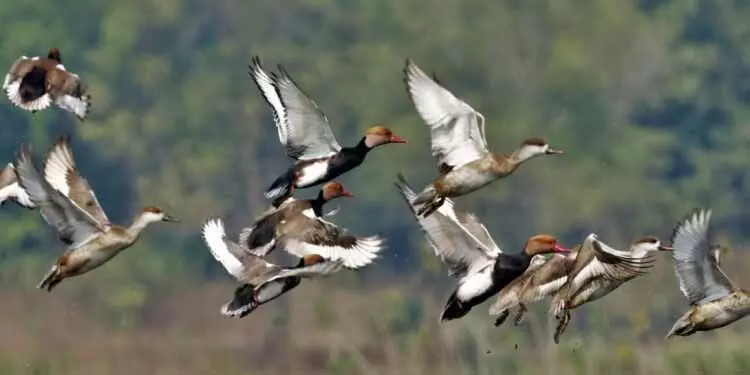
(544, 268)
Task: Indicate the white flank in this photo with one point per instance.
(6, 82)
(363, 253)
(474, 285)
(15, 192)
(79, 106)
(213, 234)
(312, 173)
(310, 213)
(61, 67)
(11, 90)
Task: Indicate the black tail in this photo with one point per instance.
(243, 302)
(33, 85)
(454, 309)
(281, 189)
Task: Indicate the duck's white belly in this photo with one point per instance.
(475, 284)
(312, 173)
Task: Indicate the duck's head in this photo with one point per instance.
(54, 54)
(333, 190)
(154, 214)
(380, 135)
(647, 245)
(543, 244)
(534, 147)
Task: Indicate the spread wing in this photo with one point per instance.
(701, 279)
(302, 235)
(61, 173)
(606, 263)
(72, 96)
(12, 85)
(74, 225)
(302, 126)
(453, 243)
(456, 129)
(232, 256)
(10, 189)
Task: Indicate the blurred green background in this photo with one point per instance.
(649, 98)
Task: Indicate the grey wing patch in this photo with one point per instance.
(701, 280)
(309, 135)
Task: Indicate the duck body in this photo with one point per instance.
(715, 301)
(475, 288)
(470, 177)
(87, 256)
(313, 172)
(35, 83)
(713, 315)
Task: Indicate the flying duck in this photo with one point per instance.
(10, 190)
(90, 238)
(598, 270)
(481, 273)
(298, 227)
(36, 83)
(260, 281)
(543, 278)
(458, 142)
(714, 300)
(305, 132)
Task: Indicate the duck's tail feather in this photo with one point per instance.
(454, 309)
(50, 279)
(281, 188)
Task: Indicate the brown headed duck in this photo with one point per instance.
(36, 83)
(544, 277)
(91, 239)
(598, 270)
(714, 300)
(458, 142)
(260, 281)
(304, 130)
(481, 273)
(298, 227)
(10, 190)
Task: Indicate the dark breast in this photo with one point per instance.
(508, 267)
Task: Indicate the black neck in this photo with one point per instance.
(361, 148)
(317, 204)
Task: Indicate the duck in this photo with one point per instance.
(299, 228)
(600, 269)
(480, 273)
(715, 301)
(91, 241)
(11, 191)
(35, 83)
(260, 281)
(304, 131)
(459, 144)
(544, 277)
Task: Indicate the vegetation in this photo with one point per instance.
(649, 98)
